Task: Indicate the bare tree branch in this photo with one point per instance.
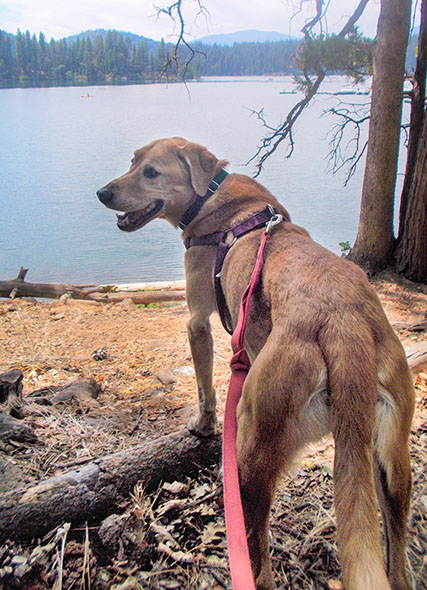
(351, 116)
(284, 131)
(174, 12)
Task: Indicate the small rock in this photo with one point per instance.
(177, 487)
(127, 303)
(81, 389)
(165, 377)
(187, 370)
(64, 298)
(170, 584)
(11, 475)
(18, 560)
(100, 354)
(154, 393)
(131, 583)
(111, 529)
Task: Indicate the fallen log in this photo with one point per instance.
(97, 489)
(140, 297)
(417, 357)
(20, 288)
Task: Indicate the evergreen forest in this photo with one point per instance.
(113, 57)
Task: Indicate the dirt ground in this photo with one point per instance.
(142, 362)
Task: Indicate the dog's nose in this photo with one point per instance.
(105, 195)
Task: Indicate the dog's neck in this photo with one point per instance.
(193, 209)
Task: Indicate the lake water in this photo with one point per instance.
(57, 149)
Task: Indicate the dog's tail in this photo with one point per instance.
(350, 354)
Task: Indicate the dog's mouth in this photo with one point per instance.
(136, 219)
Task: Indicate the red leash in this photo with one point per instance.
(240, 563)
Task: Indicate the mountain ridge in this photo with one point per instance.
(245, 36)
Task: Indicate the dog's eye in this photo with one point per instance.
(150, 172)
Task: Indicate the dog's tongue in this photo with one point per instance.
(133, 220)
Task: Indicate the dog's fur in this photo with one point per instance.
(324, 359)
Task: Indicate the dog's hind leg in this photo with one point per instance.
(392, 467)
(352, 373)
(271, 431)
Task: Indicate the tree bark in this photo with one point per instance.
(416, 117)
(99, 488)
(411, 254)
(411, 251)
(374, 245)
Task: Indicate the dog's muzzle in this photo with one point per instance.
(130, 220)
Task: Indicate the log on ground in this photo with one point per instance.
(97, 489)
(20, 288)
(138, 297)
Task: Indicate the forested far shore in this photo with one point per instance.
(112, 57)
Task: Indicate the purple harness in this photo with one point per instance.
(257, 221)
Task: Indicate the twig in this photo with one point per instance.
(86, 562)
(354, 116)
(62, 534)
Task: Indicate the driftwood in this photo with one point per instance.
(98, 488)
(12, 429)
(417, 357)
(11, 392)
(83, 389)
(20, 288)
(141, 297)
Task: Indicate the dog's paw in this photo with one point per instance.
(203, 425)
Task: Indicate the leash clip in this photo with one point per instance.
(275, 219)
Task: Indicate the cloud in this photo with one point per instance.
(60, 18)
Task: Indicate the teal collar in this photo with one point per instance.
(196, 205)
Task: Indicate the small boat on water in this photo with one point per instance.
(351, 90)
(86, 95)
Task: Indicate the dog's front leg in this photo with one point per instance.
(200, 295)
(201, 344)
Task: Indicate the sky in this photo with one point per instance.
(61, 18)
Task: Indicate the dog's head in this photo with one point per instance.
(163, 179)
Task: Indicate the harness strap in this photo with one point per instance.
(219, 239)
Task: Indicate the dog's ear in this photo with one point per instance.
(201, 163)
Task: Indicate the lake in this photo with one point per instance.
(57, 148)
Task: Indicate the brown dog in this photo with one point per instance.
(324, 358)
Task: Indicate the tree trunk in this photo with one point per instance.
(417, 115)
(411, 252)
(374, 245)
(98, 488)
